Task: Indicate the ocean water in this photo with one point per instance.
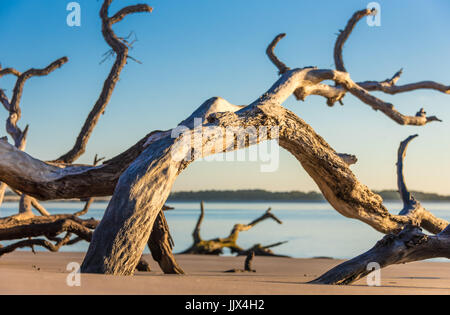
(311, 229)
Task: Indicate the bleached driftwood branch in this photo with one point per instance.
(120, 48)
(345, 85)
(18, 135)
(408, 245)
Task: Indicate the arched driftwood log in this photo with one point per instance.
(141, 177)
(146, 184)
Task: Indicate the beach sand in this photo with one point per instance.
(45, 273)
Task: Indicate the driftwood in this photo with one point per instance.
(247, 264)
(217, 245)
(159, 241)
(161, 244)
(261, 250)
(48, 228)
(141, 178)
(409, 245)
(120, 48)
(18, 135)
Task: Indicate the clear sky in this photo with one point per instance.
(193, 50)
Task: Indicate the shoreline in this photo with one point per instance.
(106, 200)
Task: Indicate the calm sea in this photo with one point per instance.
(311, 229)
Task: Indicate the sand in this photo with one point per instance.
(45, 273)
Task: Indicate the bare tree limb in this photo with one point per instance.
(394, 89)
(36, 242)
(14, 110)
(407, 198)
(138, 8)
(271, 54)
(388, 86)
(407, 246)
(344, 34)
(7, 71)
(261, 250)
(345, 84)
(11, 229)
(121, 51)
(36, 205)
(196, 234)
(18, 89)
(85, 208)
(388, 109)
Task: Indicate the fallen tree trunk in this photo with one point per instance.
(407, 246)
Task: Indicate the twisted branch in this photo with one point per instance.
(408, 245)
(344, 35)
(121, 51)
(271, 54)
(14, 110)
(336, 93)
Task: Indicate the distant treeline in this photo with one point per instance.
(261, 195)
(264, 195)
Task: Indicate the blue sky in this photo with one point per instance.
(193, 50)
